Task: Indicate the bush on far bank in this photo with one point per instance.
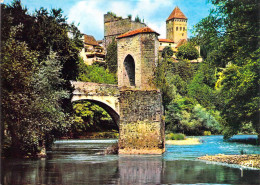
(175, 136)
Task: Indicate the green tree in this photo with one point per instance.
(90, 117)
(230, 37)
(202, 86)
(44, 32)
(167, 52)
(137, 19)
(239, 85)
(31, 98)
(111, 57)
(185, 116)
(95, 73)
(187, 51)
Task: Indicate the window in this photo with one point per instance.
(180, 28)
(183, 28)
(176, 28)
(182, 34)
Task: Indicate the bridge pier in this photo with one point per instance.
(141, 129)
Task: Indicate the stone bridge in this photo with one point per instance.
(104, 95)
(135, 104)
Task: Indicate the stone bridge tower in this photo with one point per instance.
(141, 126)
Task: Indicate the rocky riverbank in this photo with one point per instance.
(252, 160)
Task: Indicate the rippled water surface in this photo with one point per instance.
(80, 162)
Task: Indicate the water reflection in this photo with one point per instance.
(72, 163)
(140, 170)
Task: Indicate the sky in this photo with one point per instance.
(88, 15)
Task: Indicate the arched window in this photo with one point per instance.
(129, 66)
(176, 28)
(183, 28)
(180, 28)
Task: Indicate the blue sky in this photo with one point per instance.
(89, 13)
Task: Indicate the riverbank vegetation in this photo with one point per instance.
(221, 94)
(38, 58)
(173, 136)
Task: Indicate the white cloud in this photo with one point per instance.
(90, 14)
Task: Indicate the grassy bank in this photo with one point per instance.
(252, 160)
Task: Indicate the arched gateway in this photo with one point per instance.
(136, 104)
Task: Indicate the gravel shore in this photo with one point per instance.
(252, 160)
(188, 141)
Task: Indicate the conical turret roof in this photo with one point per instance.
(176, 13)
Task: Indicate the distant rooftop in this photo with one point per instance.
(166, 40)
(89, 39)
(135, 32)
(176, 13)
(181, 42)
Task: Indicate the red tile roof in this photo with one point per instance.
(181, 42)
(90, 40)
(165, 40)
(176, 13)
(135, 32)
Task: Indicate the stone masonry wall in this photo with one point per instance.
(144, 50)
(172, 33)
(141, 127)
(115, 26)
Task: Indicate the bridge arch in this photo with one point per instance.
(129, 70)
(105, 104)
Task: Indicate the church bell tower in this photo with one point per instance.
(176, 26)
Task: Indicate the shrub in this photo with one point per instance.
(206, 133)
(174, 136)
(187, 51)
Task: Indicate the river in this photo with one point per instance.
(79, 162)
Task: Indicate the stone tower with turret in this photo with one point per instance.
(176, 26)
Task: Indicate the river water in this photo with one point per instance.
(79, 162)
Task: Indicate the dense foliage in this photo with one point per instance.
(187, 51)
(184, 114)
(38, 59)
(91, 118)
(222, 93)
(229, 36)
(167, 52)
(95, 73)
(111, 57)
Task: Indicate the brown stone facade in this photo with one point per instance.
(141, 126)
(115, 26)
(142, 49)
(141, 129)
(176, 29)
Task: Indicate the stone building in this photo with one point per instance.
(141, 126)
(92, 51)
(115, 26)
(176, 31)
(176, 26)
